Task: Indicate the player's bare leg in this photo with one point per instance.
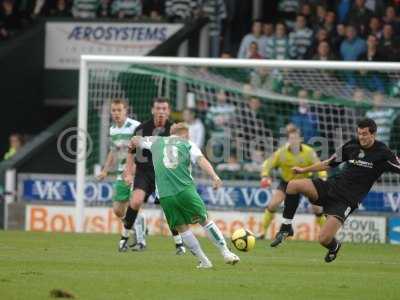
(327, 237)
(119, 209)
(292, 199)
(216, 237)
(320, 219)
(194, 246)
(270, 210)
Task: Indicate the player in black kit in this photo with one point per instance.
(144, 178)
(366, 159)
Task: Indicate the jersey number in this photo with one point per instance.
(171, 158)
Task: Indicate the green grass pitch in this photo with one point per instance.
(89, 267)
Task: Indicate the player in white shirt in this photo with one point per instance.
(121, 132)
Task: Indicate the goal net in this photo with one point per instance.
(244, 106)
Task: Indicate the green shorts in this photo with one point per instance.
(121, 191)
(184, 208)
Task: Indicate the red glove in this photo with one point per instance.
(265, 182)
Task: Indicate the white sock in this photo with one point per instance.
(140, 229)
(178, 239)
(215, 236)
(194, 246)
(125, 232)
(287, 221)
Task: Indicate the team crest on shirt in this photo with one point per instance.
(361, 154)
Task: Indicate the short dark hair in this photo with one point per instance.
(367, 123)
(161, 100)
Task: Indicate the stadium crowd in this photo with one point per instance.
(305, 29)
(352, 30)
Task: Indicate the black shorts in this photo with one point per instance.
(282, 186)
(144, 181)
(332, 206)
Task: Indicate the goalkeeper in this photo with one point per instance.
(294, 153)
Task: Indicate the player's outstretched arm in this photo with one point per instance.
(317, 167)
(315, 159)
(142, 142)
(107, 165)
(393, 163)
(205, 165)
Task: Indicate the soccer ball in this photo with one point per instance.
(243, 240)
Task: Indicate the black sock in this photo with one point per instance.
(130, 217)
(291, 204)
(332, 246)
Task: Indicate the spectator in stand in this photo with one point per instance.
(215, 11)
(392, 19)
(324, 52)
(253, 51)
(9, 18)
(306, 11)
(105, 8)
(300, 39)
(338, 38)
(343, 10)
(383, 117)
(353, 47)
(263, 78)
(330, 23)
(126, 9)
(389, 44)
(278, 46)
(85, 9)
(321, 36)
(320, 17)
(180, 10)
(360, 15)
(196, 127)
(155, 9)
(287, 10)
(372, 53)
(372, 80)
(219, 122)
(60, 9)
(303, 119)
(254, 36)
(268, 31)
(374, 27)
(16, 142)
(359, 95)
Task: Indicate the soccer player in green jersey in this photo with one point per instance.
(121, 132)
(182, 205)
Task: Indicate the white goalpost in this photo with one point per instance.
(331, 91)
